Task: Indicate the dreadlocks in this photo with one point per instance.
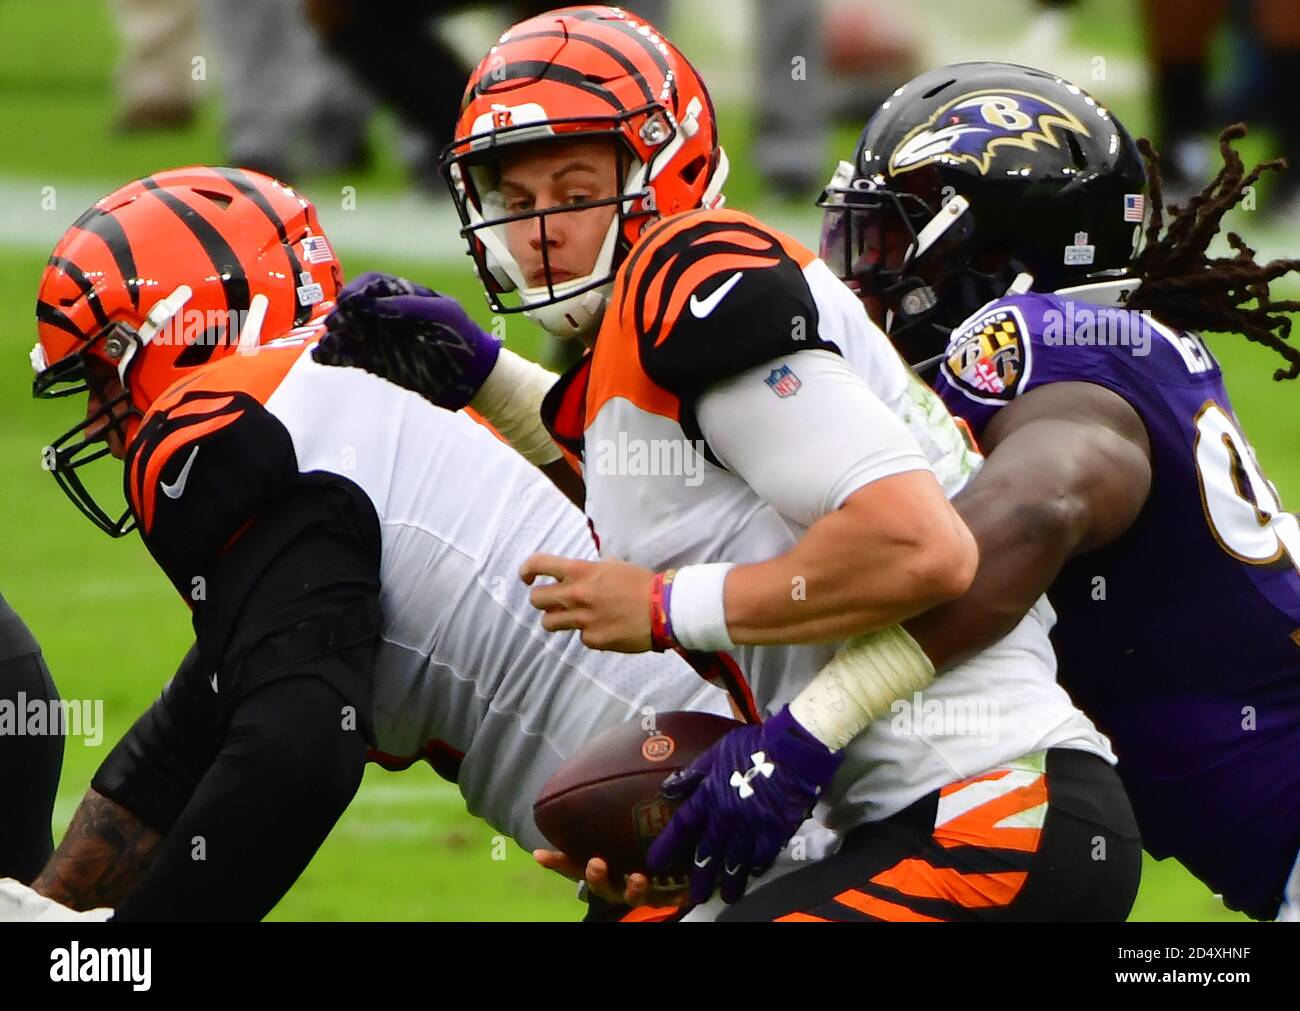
(1189, 290)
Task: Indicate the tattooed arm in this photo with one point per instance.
(135, 796)
(105, 851)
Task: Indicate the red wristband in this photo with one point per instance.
(661, 623)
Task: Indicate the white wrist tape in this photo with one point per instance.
(697, 610)
(859, 684)
(511, 399)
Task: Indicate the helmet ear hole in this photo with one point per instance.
(201, 350)
(222, 200)
(691, 171)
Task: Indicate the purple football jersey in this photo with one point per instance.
(1181, 639)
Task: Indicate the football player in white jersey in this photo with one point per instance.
(349, 552)
(767, 483)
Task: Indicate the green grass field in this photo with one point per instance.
(112, 627)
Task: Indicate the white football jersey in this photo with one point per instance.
(658, 498)
(465, 674)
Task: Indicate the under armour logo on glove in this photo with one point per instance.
(741, 801)
(740, 780)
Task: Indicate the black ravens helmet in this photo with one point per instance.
(966, 178)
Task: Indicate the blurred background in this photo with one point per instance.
(351, 100)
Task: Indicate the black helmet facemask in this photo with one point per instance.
(897, 247)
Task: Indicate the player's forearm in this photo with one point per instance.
(105, 851)
(1022, 546)
(511, 399)
(893, 550)
(1053, 487)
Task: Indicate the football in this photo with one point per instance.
(604, 801)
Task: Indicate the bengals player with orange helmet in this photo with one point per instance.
(769, 486)
(347, 550)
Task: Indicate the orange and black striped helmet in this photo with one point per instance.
(159, 278)
(581, 72)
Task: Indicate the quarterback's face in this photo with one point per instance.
(545, 176)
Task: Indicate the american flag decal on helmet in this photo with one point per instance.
(316, 249)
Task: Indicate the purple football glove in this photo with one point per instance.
(411, 336)
(741, 801)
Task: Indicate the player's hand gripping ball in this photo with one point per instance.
(741, 802)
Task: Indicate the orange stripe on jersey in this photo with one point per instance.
(922, 880)
(616, 367)
(258, 374)
(979, 826)
(654, 293)
(983, 777)
(696, 274)
(736, 237)
(882, 909)
(801, 918)
(616, 372)
(197, 408)
(650, 914)
(166, 448)
(203, 406)
(795, 249)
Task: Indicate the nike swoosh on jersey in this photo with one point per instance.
(177, 488)
(702, 307)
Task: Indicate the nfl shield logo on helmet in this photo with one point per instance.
(784, 382)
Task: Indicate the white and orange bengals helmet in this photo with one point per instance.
(582, 72)
(156, 280)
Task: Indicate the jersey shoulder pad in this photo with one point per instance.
(200, 470)
(708, 294)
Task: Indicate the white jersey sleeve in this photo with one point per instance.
(806, 440)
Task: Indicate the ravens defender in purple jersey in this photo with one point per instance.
(1003, 226)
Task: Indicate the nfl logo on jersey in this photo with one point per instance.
(784, 382)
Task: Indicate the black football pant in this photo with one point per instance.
(1020, 843)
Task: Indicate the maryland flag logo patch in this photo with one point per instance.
(989, 358)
